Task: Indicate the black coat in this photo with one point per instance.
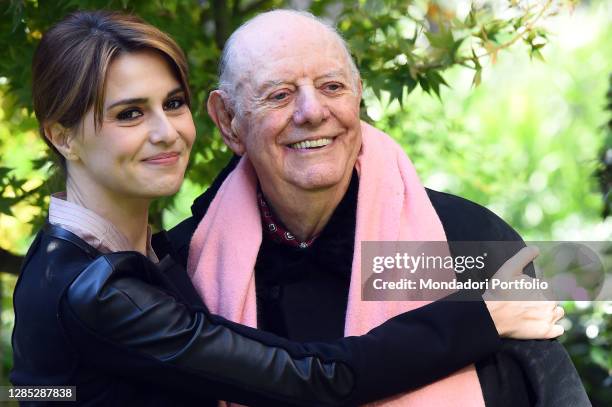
(521, 373)
(125, 331)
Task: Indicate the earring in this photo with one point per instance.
(70, 156)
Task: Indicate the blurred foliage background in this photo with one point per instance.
(506, 103)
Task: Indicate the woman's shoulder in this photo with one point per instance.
(55, 257)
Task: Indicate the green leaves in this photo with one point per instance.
(434, 81)
(399, 45)
(431, 37)
(11, 190)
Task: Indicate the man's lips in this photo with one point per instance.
(163, 158)
(311, 144)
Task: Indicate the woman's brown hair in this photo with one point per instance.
(70, 64)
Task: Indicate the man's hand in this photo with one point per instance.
(533, 319)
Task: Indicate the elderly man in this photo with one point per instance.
(277, 244)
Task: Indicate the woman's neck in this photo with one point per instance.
(128, 215)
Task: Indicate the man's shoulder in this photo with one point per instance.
(465, 220)
(202, 202)
(175, 242)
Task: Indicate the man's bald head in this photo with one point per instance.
(271, 31)
(289, 102)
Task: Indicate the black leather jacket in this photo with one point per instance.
(128, 332)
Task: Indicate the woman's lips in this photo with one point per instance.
(163, 159)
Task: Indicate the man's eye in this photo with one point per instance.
(129, 114)
(279, 96)
(174, 104)
(333, 87)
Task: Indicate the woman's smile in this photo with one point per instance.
(163, 159)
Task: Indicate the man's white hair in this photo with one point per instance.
(227, 74)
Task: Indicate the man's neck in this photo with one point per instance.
(306, 213)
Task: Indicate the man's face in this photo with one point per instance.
(299, 119)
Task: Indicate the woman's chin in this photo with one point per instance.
(161, 190)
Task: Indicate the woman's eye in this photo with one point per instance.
(129, 114)
(174, 104)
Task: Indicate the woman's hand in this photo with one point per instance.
(521, 315)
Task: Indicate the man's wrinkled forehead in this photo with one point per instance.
(268, 44)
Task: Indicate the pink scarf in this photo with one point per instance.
(392, 205)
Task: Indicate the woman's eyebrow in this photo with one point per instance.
(133, 101)
(175, 91)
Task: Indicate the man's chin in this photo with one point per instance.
(317, 181)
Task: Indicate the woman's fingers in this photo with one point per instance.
(555, 331)
(526, 319)
(514, 266)
(558, 313)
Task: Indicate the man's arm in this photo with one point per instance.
(523, 372)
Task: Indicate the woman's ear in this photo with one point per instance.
(62, 140)
(220, 112)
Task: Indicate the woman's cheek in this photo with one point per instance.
(190, 133)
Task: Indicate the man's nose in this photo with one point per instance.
(161, 129)
(310, 109)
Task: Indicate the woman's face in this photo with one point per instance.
(142, 148)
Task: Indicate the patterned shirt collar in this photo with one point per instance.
(275, 230)
(91, 227)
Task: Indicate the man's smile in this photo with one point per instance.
(311, 144)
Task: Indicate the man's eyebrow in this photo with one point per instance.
(333, 74)
(270, 84)
(135, 101)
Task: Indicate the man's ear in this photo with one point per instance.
(221, 113)
(62, 140)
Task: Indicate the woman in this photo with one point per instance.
(112, 99)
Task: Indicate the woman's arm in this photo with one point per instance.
(125, 325)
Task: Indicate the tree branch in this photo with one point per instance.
(10, 262)
(236, 8)
(526, 29)
(252, 7)
(221, 16)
